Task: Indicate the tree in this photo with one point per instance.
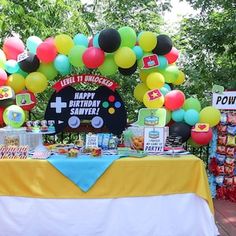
(45, 18)
(208, 43)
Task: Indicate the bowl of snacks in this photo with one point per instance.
(134, 137)
(73, 152)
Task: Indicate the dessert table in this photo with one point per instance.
(150, 196)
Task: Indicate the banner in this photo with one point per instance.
(225, 100)
(85, 78)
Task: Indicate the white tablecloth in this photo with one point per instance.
(170, 215)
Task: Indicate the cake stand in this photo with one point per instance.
(40, 149)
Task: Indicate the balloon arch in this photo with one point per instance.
(29, 67)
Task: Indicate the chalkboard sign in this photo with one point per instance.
(102, 107)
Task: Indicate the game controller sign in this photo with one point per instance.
(102, 107)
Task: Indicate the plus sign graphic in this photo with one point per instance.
(58, 105)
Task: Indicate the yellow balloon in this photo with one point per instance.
(147, 41)
(143, 74)
(210, 115)
(16, 82)
(139, 91)
(180, 79)
(155, 80)
(36, 82)
(2, 59)
(125, 57)
(63, 43)
(151, 100)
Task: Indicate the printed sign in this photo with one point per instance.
(85, 78)
(91, 141)
(154, 140)
(224, 101)
(150, 61)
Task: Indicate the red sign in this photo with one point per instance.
(201, 127)
(85, 78)
(154, 94)
(150, 61)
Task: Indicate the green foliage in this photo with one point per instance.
(42, 18)
(208, 44)
(45, 18)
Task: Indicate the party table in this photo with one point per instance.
(151, 196)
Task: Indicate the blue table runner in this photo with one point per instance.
(84, 170)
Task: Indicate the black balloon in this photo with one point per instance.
(109, 40)
(128, 71)
(29, 64)
(180, 129)
(164, 45)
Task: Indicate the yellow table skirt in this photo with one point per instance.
(127, 177)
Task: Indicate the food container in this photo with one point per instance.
(12, 140)
(134, 137)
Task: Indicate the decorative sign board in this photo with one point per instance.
(22, 56)
(151, 117)
(154, 139)
(103, 107)
(201, 127)
(217, 89)
(150, 61)
(7, 96)
(224, 101)
(26, 100)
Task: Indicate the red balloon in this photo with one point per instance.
(1, 115)
(46, 52)
(174, 100)
(12, 47)
(26, 100)
(3, 77)
(172, 56)
(93, 57)
(202, 138)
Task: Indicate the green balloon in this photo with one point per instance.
(109, 66)
(14, 116)
(75, 55)
(128, 37)
(170, 73)
(48, 70)
(192, 103)
(23, 73)
(168, 116)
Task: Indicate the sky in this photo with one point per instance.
(179, 9)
